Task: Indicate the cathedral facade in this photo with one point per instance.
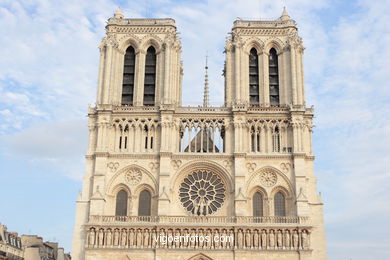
(166, 181)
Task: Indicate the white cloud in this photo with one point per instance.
(57, 146)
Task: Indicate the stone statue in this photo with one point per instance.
(305, 240)
(177, 236)
(256, 239)
(116, 237)
(162, 234)
(240, 239)
(231, 239)
(108, 237)
(209, 243)
(279, 239)
(216, 239)
(131, 238)
(146, 239)
(92, 237)
(154, 239)
(101, 237)
(248, 243)
(295, 239)
(170, 235)
(201, 239)
(263, 239)
(224, 238)
(272, 239)
(185, 241)
(124, 238)
(139, 238)
(192, 239)
(287, 239)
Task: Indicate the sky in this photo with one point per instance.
(48, 76)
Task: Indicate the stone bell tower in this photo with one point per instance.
(166, 181)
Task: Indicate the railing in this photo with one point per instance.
(200, 219)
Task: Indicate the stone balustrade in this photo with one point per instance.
(152, 220)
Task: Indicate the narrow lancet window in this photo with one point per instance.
(273, 78)
(280, 204)
(121, 203)
(128, 77)
(150, 77)
(257, 205)
(144, 204)
(254, 78)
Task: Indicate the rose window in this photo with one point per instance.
(202, 193)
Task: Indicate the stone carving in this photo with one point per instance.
(153, 166)
(146, 239)
(227, 164)
(131, 238)
(287, 239)
(124, 238)
(108, 237)
(263, 239)
(139, 238)
(248, 243)
(176, 164)
(256, 239)
(305, 240)
(279, 239)
(268, 178)
(91, 237)
(295, 239)
(251, 167)
(116, 237)
(271, 239)
(285, 167)
(202, 193)
(101, 237)
(240, 239)
(247, 239)
(113, 166)
(133, 176)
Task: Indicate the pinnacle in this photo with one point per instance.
(285, 15)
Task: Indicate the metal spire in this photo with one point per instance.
(206, 102)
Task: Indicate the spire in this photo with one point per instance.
(285, 15)
(118, 14)
(206, 102)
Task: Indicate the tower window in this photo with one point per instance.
(150, 77)
(273, 78)
(121, 203)
(253, 78)
(280, 204)
(144, 204)
(257, 204)
(128, 77)
(276, 140)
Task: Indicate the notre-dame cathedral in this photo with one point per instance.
(167, 181)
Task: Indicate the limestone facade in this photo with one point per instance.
(158, 169)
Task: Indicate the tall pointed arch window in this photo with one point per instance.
(254, 93)
(273, 77)
(280, 204)
(150, 77)
(121, 203)
(257, 204)
(128, 77)
(144, 203)
(276, 140)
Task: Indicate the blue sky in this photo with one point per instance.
(48, 74)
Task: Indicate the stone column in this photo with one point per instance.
(139, 78)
